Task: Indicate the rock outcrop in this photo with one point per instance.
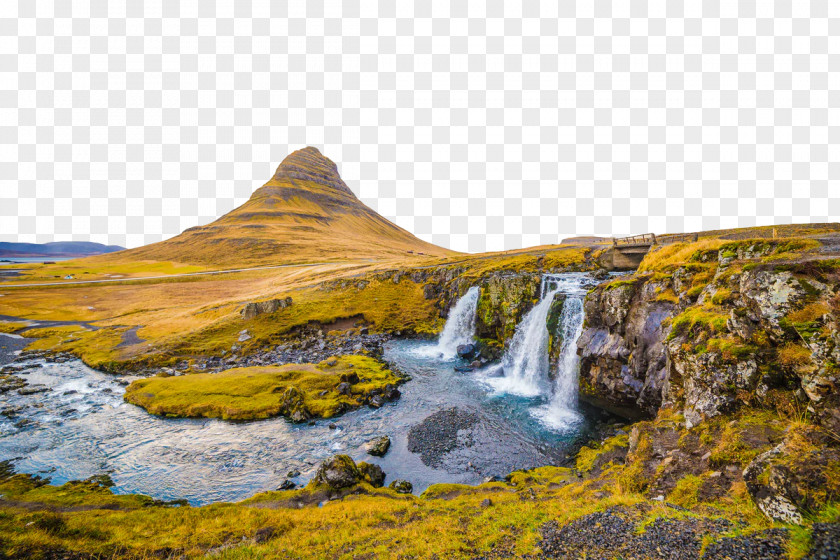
(504, 300)
(622, 347)
(254, 309)
(746, 326)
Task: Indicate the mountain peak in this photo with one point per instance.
(309, 164)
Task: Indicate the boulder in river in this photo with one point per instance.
(339, 471)
(378, 447)
(287, 485)
(372, 474)
(466, 351)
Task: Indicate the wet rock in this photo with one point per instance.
(33, 389)
(438, 435)
(378, 447)
(339, 471)
(11, 383)
(391, 393)
(466, 351)
(503, 301)
(372, 474)
(622, 347)
(293, 473)
(287, 485)
(401, 486)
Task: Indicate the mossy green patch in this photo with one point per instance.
(587, 456)
(698, 320)
(9, 327)
(298, 391)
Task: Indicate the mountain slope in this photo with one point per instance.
(305, 213)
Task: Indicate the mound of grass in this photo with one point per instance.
(297, 391)
(698, 320)
(8, 327)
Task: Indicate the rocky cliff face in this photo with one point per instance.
(622, 347)
(742, 327)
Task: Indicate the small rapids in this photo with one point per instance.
(80, 426)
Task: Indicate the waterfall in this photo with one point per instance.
(460, 325)
(525, 364)
(566, 378)
(560, 412)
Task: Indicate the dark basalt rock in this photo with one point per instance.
(337, 472)
(466, 351)
(372, 474)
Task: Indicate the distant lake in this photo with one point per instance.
(22, 260)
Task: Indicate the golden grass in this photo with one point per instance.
(667, 257)
(260, 392)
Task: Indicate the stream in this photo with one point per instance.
(81, 427)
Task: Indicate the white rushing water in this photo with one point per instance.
(526, 364)
(561, 411)
(459, 328)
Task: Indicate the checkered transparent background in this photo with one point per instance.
(478, 126)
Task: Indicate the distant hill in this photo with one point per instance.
(304, 213)
(58, 249)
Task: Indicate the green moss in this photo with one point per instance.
(731, 349)
(587, 456)
(297, 391)
(722, 296)
(26, 488)
(540, 476)
(697, 320)
(12, 326)
(685, 492)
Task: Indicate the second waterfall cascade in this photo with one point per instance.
(525, 365)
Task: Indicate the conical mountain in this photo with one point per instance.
(305, 213)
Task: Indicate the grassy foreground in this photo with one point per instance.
(297, 391)
(39, 521)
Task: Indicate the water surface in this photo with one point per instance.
(82, 427)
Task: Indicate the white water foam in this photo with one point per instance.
(525, 367)
(459, 328)
(525, 364)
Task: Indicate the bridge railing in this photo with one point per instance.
(652, 239)
(642, 239)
